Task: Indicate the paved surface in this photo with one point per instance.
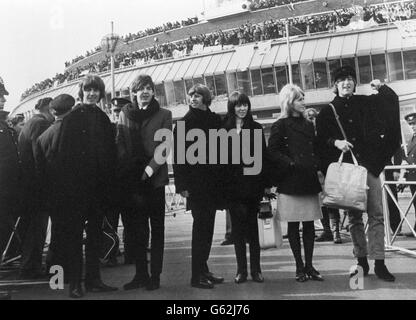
(333, 261)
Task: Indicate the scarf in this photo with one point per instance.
(134, 113)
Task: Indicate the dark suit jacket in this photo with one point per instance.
(152, 148)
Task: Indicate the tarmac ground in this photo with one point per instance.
(332, 260)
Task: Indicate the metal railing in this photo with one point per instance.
(386, 191)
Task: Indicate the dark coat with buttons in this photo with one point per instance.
(239, 187)
(45, 161)
(26, 146)
(9, 166)
(371, 124)
(292, 151)
(85, 159)
(200, 180)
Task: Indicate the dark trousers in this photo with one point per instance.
(7, 221)
(73, 225)
(244, 222)
(393, 210)
(36, 224)
(202, 233)
(151, 208)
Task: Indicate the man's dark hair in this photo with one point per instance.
(141, 81)
(203, 91)
(91, 82)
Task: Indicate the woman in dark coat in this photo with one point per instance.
(197, 181)
(292, 151)
(244, 192)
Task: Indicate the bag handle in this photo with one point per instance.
(344, 135)
(339, 123)
(341, 157)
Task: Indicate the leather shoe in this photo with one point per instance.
(202, 283)
(75, 290)
(311, 273)
(240, 278)
(325, 236)
(214, 279)
(98, 286)
(257, 277)
(227, 242)
(153, 284)
(135, 284)
(383, 273)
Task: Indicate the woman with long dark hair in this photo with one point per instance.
(292, 150)
(244, 192)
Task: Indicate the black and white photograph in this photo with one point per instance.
(208, 155)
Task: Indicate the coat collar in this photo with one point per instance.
(301, 125)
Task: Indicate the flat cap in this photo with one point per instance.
(119, 102)
(62, 103)
(344, 72)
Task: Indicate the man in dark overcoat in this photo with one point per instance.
(34, 218)
(9, 178)
(198, 183)
(372, 128)
(85, 162)
(145, 178)
(45, 159)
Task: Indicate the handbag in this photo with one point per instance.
(270, 231)
(345, 184)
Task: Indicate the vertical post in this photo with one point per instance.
(113, 89)
(289, 58)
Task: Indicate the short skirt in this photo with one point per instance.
(296, 208)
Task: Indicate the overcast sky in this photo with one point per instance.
(38, 36)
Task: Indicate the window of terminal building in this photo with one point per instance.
(160, 95)
(409, 60)
(395, 65)
(267, 76)
(220, 84)
(320, 74)
(188, 85)
(378, 62)
(180, 92)
(364, 69)
(199, 80)
(210, 83)
(170, 93)
(282, 77)
(243, 81)
(333, 65)
(307, 75)
(232, 81)
(296, 75)
(348, 62)
(256, 82)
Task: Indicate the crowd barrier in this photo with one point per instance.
(391, 238)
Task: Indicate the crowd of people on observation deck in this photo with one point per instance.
(246, 33)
